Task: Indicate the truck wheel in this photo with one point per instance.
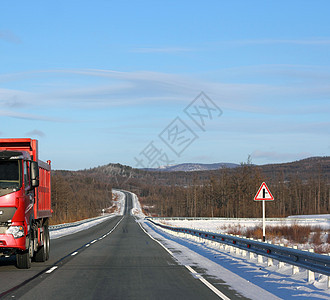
(23, 259)
(47, 241)
(41, 254)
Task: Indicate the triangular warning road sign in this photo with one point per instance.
(263, 193)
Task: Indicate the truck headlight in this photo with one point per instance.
(16, 231)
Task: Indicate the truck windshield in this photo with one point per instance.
(9, 174)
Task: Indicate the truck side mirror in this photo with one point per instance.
(34, 174)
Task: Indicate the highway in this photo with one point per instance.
(113, 260)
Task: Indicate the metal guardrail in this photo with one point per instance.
(239, 219)
(74, 224)
(310, 261)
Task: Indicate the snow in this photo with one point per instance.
(58, 233)
(325, 216)
(222, 225)
(120, 202)
(136, 210)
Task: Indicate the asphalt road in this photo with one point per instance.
(120, 263)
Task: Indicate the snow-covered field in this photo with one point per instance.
(218, 224)
(222, 225)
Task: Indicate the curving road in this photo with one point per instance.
(113, 260)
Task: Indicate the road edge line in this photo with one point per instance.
(191, 270)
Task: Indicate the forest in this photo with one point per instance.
(230, 194)
(76, 196)
(301, 187)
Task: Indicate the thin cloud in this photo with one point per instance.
(316, 41)
(26, 116)
(161, 50)
(278, 156)
(35, 133)
(9, 37)
(141, 87)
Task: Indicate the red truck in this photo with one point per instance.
(25, 202)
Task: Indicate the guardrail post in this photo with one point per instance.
(260, 259)
(244, 253)
(295, 269)
(251, 255)
(310, 274)
(270, 262)
(281, 263)
(329, 277)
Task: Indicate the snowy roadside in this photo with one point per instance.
(241, 226)
(221, 225)
(248, 277)
(88, 223)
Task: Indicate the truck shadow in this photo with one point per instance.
(8, 261)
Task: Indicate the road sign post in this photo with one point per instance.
(263, 195)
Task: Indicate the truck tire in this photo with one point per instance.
(47, 241)
(41, 253)
(23, 259)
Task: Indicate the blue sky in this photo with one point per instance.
(99, 81)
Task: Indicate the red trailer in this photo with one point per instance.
(25, 202)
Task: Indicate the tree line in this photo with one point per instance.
(76, 196)
(301, 187)
(230, 194)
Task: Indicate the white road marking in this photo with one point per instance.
(195, 274)
(74, 253)
(169, 251)
(209, 285)
(51, 269)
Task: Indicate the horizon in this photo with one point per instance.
(238, 164)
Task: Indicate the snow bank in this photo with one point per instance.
(58, 233)
(120, 202)
(136, 210)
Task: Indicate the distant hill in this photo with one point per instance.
(183, 174)
(306, 168)
(191, 167)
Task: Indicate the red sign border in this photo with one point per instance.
(263, 199)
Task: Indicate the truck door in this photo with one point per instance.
(29, 192)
